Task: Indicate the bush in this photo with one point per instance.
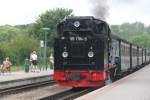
(18, 48)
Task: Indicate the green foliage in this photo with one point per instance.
(18, 49)
(15, 43)
(127, 30)
(141, 40)
(8, 32)
(49, 19)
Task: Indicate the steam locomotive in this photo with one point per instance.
(86, 54)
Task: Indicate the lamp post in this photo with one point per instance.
(41, 54)
(45, 45)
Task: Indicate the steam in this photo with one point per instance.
(99, 9)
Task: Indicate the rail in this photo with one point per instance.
(22, 88)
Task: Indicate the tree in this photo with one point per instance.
(49, 19)
(115, 29)
(148, 29)
(8, 32)
(141, 40)
(18, 48)
(127, 30)
(16, 43)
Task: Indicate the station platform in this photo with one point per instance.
(135, 86)
(21, 78)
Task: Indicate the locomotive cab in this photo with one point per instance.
(81, 54)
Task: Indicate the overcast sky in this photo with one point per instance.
(15, 12)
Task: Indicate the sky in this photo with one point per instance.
(15, 12)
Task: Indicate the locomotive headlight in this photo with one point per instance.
(76, 23)
(65, 54)
(90, 54)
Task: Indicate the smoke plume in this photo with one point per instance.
(99, 8)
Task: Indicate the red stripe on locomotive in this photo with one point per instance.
(78, 78)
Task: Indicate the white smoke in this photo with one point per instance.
(99, 9)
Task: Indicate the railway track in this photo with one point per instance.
(69, 94)
(23, 88)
